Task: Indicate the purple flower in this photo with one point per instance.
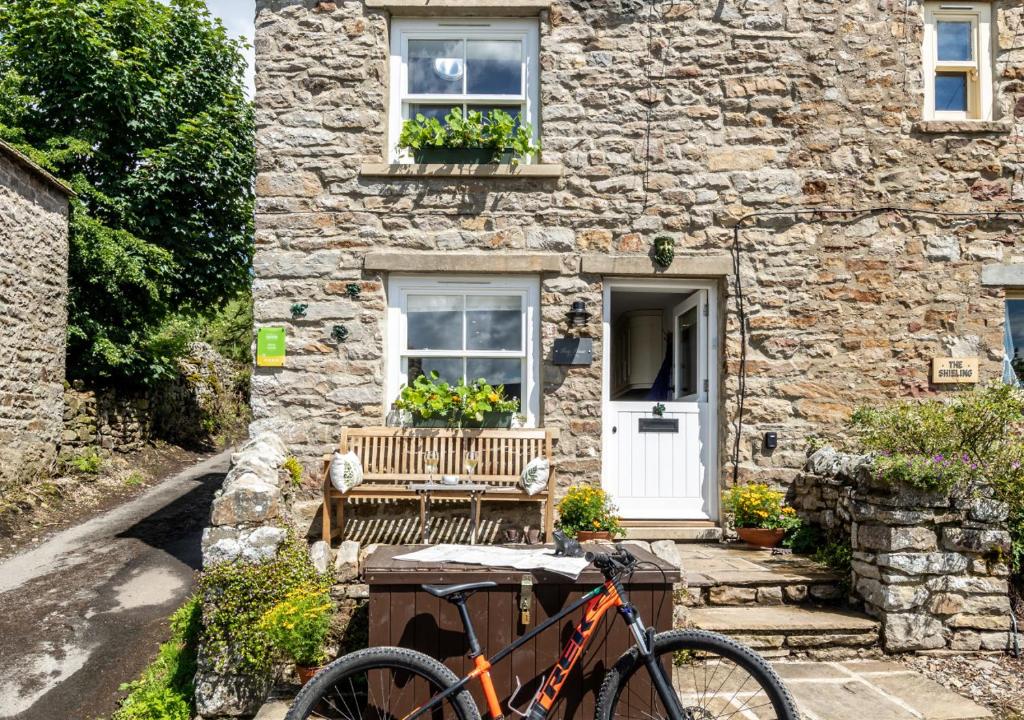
(938, 458)
(1016, 465)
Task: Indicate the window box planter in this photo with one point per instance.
(431, 422)
(491, 420)
(462, 156)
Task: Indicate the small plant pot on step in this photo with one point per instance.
(306, 672)
(761, 537)
(593, 536)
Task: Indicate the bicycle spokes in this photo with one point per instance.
(378, 694)
(709, 687)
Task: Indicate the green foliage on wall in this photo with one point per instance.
(140, 107)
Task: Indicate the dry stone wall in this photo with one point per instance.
(33, 308)
(667, 117)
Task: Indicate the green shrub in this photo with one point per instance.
(86, 461)
(165, 690)
(587, 508)
(236, 596)
(497, 131)
(298, 625)
(972, 439)
(294, 468)
(758, 506)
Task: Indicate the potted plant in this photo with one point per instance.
(471, 138)
(432, 402)
(761, 515)
(297, 628)
(587, 514)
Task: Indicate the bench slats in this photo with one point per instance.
(394, 457)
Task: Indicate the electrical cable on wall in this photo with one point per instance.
(815, 213)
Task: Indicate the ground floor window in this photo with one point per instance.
(1014, 370)
(466, 328)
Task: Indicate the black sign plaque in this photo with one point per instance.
(659, 425)
(573, 351)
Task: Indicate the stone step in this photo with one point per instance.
(792, 630)
(729, 575)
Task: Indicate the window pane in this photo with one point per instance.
(954, 40)
(951, 92)
(498, 372)
(430, 111)
(436, 66)
(689, 347)
(515, 111)
(495, 67)
(494, 322)
(1015, 330)
(449, 369)
(434, 322)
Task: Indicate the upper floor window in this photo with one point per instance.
(958, 61)
(473, 64)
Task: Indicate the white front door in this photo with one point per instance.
(658, 450)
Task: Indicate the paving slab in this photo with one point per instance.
(874, 689)
(788, 618)
(739, 564)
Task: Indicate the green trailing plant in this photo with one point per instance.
(759, 506)
(970, 441)
(236, 597)
(497, 131)
(297, 627)
(294, 468)
(139, 105)
(430, 397)
(586, 507)
(165, 689)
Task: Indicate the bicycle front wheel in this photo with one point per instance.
(384, 683)
(714, 677)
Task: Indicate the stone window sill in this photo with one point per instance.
(952, 127)
(434, 8)
(477, 172)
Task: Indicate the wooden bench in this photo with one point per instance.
(392, 460)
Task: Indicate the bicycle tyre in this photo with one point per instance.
(312, 699)
(699, 643)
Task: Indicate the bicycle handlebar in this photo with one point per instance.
(611, 564)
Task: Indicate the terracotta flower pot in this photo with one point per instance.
(306, 672)
(761, 537)
(593, 535)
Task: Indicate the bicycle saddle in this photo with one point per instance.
(458, 591)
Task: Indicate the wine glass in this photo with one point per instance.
(472, 460)
(431, 460)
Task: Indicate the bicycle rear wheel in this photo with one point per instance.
(384, 683)
(714, 677)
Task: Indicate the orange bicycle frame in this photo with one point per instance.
(595, 604)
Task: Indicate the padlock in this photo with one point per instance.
(525, 599)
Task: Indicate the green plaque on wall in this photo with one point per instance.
(270, 347)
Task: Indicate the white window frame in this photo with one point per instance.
(979, 71)
(526, 287)
(525, 30)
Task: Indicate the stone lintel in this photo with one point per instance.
(427, 171)
(435, 8)
(489, 263)
(963, 126)
(1003, 275)
(685, 266)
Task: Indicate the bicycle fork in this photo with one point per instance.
(645, 642)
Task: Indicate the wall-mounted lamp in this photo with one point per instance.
(578, 315)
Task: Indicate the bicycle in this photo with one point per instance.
(390, 683)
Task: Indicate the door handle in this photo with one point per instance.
(614, 429)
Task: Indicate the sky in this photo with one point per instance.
(239, 19)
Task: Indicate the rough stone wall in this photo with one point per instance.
(33, 317)
(105, 420)
(754, 106)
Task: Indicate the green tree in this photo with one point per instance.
(140, 107)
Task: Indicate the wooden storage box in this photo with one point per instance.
(402, 614)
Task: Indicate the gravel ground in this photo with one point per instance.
(995, 681)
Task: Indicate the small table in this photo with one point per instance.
(427, 490)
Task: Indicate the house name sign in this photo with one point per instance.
(959, 371)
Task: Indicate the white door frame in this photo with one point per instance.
(713, 461)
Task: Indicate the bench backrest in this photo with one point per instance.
(396, 454)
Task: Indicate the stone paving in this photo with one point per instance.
(739, 564)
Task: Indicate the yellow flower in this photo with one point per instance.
(493, 397)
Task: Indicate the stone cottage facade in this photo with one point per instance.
(739, 129)
(33, 305)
